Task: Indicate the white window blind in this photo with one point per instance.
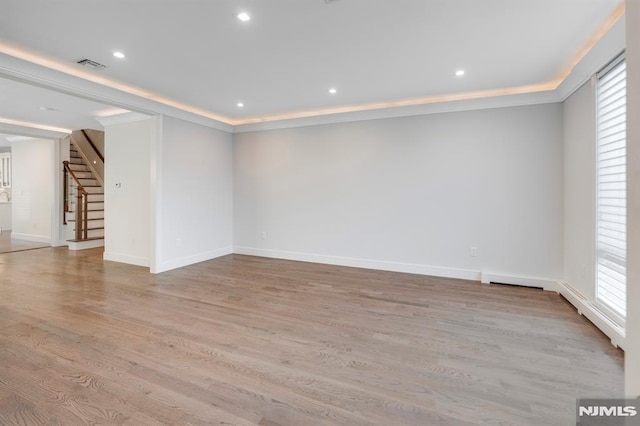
(611, 240)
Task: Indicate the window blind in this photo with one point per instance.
(611, 240)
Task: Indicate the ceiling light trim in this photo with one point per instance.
(617, 14)
(464, 96)
(69, 69)
(30, 125)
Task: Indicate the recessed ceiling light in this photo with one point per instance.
(240, 104)
(243, 16)
(333, 91)
(118, 55)
(459, 73)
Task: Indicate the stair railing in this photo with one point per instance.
(93, 145)
(82, 206)
(82, 142)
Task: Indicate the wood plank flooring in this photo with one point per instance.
(243, 340)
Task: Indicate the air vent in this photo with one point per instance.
(91, 64)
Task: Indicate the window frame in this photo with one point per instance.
(606, 308)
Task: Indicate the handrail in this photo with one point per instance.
(92, 145)
(82, 207)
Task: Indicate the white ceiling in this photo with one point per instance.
(25, 102)
(285, 59)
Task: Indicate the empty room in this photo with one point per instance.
(319, 212)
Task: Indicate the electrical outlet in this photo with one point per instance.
(473, 251)
(263, 235)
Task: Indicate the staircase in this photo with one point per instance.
(95, 204)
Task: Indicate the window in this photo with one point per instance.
(611, 217)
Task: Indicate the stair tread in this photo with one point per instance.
(88, 239)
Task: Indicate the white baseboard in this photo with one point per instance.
(131, 260)
(587, 308)
(409, 268)
(190, 260)
(521, 280)
(29, 237)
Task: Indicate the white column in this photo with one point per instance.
(632, 350)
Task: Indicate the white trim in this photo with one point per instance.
(18, 138)
(29, 132)
(29, 237)
(155, 196)
(547, 284)
(124, 118)
(587, 308)
(84, 245)
(123, 258)
(190, 260)
(56, 191)
(608, 47)
(410, 268)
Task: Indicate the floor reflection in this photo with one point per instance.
(8, 245)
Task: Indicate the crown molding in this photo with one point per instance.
(607, 48)
(29, 132)
(127, 117)
(504, 101)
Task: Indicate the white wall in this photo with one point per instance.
(579, 284)
(194, 189)
(32, 189)
(409, 194)
(128, 148)
(579, 190)
(632, 353)
(5, 216)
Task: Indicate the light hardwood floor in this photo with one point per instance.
(244, 340)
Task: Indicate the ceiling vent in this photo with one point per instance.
(91, 64)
